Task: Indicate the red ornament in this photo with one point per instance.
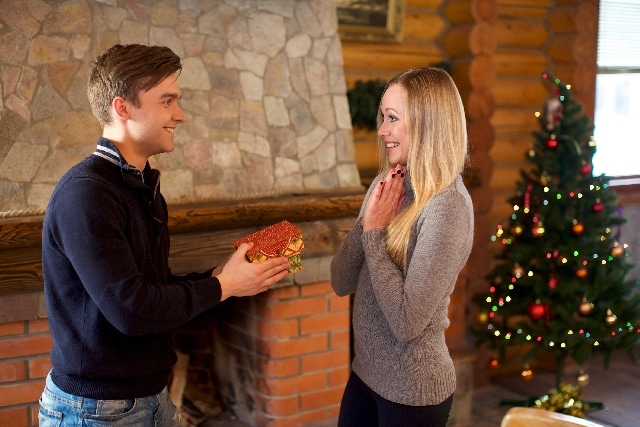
(536, 310)
(598, 206)
(552, 143)
(553, 281)
(586, 169)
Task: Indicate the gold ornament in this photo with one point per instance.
(585, 307)
(610, 318)
(483, 317)
(577, 228)
(516, 230)
(583, 378)
(518, 270)
(617, 251)
(527, 373)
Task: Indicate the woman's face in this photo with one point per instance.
(393, 129)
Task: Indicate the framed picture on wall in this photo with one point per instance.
(371, 20)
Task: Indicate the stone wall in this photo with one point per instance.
(263, 91)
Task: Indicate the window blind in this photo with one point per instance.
(619, 35)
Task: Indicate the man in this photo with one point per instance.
(111, 298)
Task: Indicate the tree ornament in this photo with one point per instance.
(583, 378)
(617, 251)
(598, 206)
(552, 143)
(483, 317)
(527, 373)
(577, 228)
(545, 178)
(536, 310)
(610, 318)
(538, 230)
(581, 272)
(586, 169)
(518, 270)
(585, 307)
(553, 110)
(517, 230)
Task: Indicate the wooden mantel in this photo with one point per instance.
(200, 232)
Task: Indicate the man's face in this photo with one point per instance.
(153, 122)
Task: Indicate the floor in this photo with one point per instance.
(616, 390)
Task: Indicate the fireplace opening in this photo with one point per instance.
(195, 386)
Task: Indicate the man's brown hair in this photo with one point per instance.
(125, 70)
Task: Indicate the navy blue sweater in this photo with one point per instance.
(112, 301)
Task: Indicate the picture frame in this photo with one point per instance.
(371, 20)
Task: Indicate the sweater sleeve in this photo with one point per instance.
(443, 236)
(348, 261)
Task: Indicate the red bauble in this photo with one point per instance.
(598, 206)
(552, 143)
(536, 310)
(586, 169)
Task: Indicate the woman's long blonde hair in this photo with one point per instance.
(436, 128)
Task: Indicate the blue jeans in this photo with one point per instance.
(61, 409)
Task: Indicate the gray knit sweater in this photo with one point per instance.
(399, 320)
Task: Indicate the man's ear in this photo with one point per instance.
(120, 108)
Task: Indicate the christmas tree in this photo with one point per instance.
(560, 280)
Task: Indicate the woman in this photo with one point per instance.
(403, 256)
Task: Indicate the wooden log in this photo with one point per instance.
(458, 12)
(520, 33)
(519, 91)
(20, 270)
(480, 105)
(505, 177)
(422, 25)
(572, 48)
(511, 149)
(481, 135)
(460, 75)
(484, 10)
(510, 11)
(366, 155)
(482, 73)
(18, 232)
(398, 57)
(514, 119)
(456, 40)
(482, 198)
(428, 4)
(562, 18)
(482, 39)
(522, 62)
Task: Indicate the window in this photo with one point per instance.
(617, 107)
